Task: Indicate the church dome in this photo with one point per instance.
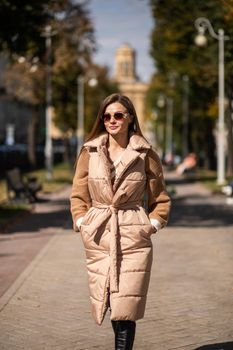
(126, 49)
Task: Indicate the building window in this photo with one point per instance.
(125, 69)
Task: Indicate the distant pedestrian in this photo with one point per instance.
(189, 164)
(117, 171)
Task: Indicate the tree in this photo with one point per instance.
(24, 81)
(73, 51)
(173, 50)
(21, 23)
(228, 18)
(72, 47)
(95, 95)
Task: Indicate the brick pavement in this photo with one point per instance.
(26, 236)
(190, 301)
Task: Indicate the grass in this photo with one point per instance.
(3, 193)
(62, 176)
(209, 179)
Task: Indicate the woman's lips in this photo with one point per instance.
(113, 127)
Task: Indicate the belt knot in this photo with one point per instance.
(112, 212)
(113, 209)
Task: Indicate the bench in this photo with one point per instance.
(21, 188)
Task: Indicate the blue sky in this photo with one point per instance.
(123, 21)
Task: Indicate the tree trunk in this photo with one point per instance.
(209, 147)
(31, 139)
(66, 154)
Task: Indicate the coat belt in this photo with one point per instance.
(112, 213)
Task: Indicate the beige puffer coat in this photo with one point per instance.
(116, 228)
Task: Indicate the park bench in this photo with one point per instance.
(20, 188)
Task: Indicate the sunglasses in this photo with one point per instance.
(106, 117)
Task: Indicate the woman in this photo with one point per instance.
(117, 171)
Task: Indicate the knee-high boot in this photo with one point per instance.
(124, 334)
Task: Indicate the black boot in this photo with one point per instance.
(114, 326)
(124, 334)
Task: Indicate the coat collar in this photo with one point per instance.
(132, 152)
(136, 142)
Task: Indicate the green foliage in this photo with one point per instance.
(175, 54)
(62, 176)
(95, 95)
(73, 45)
(21, 24)
(24, 84)
(66, 112)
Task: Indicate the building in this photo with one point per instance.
(128, 81)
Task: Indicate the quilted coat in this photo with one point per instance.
(116, 228)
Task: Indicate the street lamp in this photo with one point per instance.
(202, 24)
(80, 108)
(80, 112)
(169, 128)
(185, 107)
(161, 103)
(48, 112)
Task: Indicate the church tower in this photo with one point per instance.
(125, 64)
(128, 82)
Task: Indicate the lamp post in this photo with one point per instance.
(48, 112)
(169, 127)
(169, 118)
(202, 24)
(185, 107)
(80, 113)
(161, 103)
(80, 108)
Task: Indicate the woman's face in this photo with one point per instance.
(120, 124)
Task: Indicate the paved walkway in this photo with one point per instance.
(190, 302)
(25, 238)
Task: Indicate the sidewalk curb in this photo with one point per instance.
(9, 294)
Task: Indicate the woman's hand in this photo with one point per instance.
(79, 222)
(156, 224)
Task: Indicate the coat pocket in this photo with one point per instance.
(86, 221)
(147, 228)
(87, 217)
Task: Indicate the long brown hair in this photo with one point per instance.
(99, 127)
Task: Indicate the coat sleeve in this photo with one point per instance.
(159, 202)
(80, 197)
